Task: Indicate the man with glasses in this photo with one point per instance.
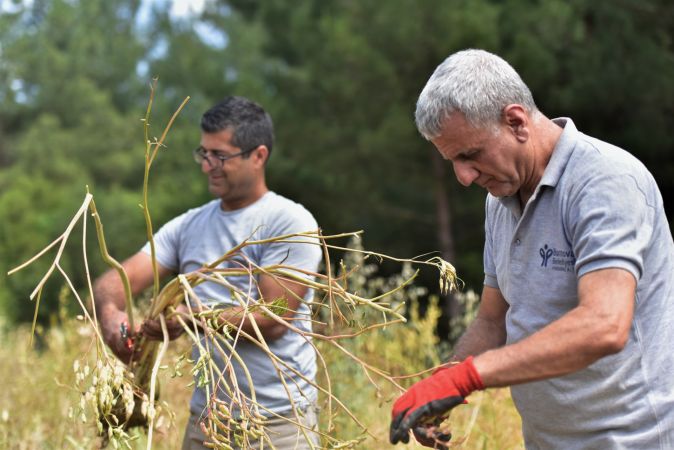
(236, 141)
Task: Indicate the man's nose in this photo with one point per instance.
(465, 173)
(206, 164)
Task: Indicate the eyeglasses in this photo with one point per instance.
(200, 155)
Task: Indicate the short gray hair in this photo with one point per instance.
(476, 83)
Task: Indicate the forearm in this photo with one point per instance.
(481, 335)
(597, 327)
(272, 326)
(248, 322)
(109, 301)
(109, 298)
(569, 344)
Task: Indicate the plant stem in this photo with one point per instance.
(112, 262)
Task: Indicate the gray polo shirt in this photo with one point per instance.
(202, 235)
(596, 207)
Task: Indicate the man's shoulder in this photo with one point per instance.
(197, 211)
(278, 215)
(278, 205)
(592, 155)
(597, 166)
(193, 214)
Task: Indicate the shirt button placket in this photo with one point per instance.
(515, 258)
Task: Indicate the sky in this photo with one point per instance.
(179, 8)
(184, 10)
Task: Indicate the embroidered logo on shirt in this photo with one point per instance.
(561, 260)
(546, 253)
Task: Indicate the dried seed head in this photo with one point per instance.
(448, 279)
(118, 376)
(151, 411)
(144, 405)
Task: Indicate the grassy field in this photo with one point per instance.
(38, 392)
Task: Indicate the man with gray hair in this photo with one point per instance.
(577, 310)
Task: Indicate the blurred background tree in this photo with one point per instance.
(340, 79)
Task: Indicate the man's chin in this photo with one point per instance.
(217, 189)
(501, 191)
(217, 193)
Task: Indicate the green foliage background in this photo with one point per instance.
(340, 79)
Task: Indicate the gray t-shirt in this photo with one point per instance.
(201, 236)
(596, 207)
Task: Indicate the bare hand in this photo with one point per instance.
(118, 335)
(151, 328)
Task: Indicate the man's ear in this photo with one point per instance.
(517, 119)
(260, 155)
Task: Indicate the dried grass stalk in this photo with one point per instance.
(123, 397)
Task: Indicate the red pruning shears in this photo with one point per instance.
(127, 340)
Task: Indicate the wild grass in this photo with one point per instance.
(38, 393)
(39, 403)
(69, 390)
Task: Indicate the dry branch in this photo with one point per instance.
(126, 396)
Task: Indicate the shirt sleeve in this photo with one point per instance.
(611, 224)
(488, 258)
(167, 244)
(304, 253)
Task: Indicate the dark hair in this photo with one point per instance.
(250, 124)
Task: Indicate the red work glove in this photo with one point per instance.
(431, 398)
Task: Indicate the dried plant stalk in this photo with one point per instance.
(127, 396)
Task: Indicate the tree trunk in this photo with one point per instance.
(450, 306)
